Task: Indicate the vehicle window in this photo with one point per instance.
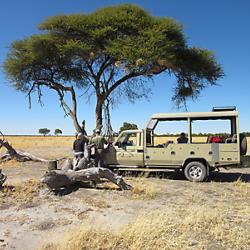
(170, 132)
(128, 139)
(212, 131)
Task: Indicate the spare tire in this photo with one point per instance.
(243, 144)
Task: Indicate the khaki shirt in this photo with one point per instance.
(99, 141)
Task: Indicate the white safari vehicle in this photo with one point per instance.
(138, 150)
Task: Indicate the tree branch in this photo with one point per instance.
(103, 66)
(17, 155)
(60, 89)
(121, 80)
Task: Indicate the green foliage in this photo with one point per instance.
(43, 131)
(57, 131)
(128, 126)
(113, 51)
(247, 134)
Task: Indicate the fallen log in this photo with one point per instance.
(59, 178)
(16, 154)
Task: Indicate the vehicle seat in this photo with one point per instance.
(232, 139)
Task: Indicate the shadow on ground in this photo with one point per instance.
(72, 188)
(229, 177)
(178, 175)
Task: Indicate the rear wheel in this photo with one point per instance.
(243, 144)
(195, 171)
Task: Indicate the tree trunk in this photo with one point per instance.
(59, 178)
(76, 123)
(98, 112)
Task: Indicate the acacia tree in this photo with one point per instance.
(112, 52)
(128, 126)
(57, 131)
(43, 131)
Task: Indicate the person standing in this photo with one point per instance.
(79, 147)
(99, 141)
(84, 133)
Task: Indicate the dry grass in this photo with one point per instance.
(164, 139)
(196, 222)
(11, 163)
(242, 188)
(39, 145)
(20, 193)
(145, 189)
(102, 204)
(26, 142)
(179, 229)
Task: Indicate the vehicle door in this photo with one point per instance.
(129, 149)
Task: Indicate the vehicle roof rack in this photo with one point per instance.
(221, 109)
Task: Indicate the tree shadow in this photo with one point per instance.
(65, 190)
(172, 175)
(80, 185)
(179, 175)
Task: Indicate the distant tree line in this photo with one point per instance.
(247, 134)
(46, 131)
(128, 126)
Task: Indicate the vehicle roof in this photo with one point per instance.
(195, 115)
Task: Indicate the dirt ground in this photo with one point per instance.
(32, 217)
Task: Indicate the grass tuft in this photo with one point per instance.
(145, 190)
(20, 193)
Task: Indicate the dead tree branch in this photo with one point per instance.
(59, 178)
(16, 154)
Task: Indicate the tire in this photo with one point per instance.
(243, 144)
(195, 171)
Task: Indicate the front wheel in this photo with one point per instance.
(195, 171)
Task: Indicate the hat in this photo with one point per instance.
(97, 130)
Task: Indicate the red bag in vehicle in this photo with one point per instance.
(215, 139)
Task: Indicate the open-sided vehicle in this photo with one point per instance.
(139, 150)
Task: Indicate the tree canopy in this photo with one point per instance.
(44, 131)
(128, 126)
(57, 131)
(111, 52)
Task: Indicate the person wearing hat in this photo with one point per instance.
(99, 141)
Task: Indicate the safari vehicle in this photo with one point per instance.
(138, 149)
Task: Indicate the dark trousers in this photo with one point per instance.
(99, 161)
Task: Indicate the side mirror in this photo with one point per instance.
(119, 144)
